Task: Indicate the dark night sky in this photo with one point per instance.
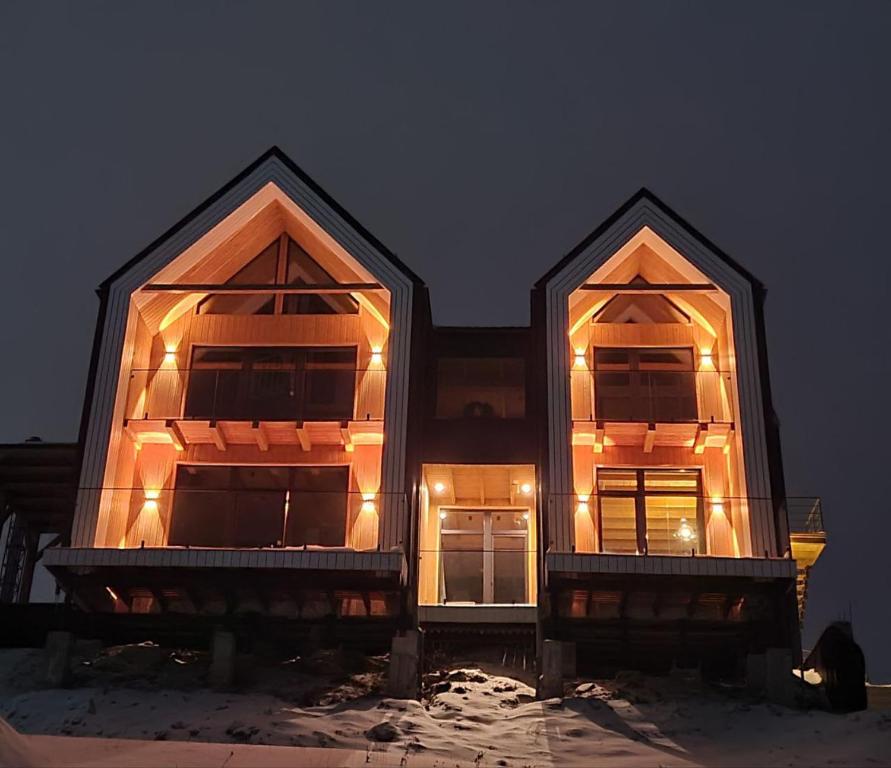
(480, 142)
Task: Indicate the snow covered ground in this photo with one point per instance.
(328, 711)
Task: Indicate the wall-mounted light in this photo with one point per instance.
(151, 499)
(368, 502)
(439, 487)
(377, 357)
(705, 358)
(685, 531)
(580, 360)
(582, 507)
(170, 355)
(717, 505)
(525, 488)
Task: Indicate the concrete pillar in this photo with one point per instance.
(756, 673)
(222, 659)
(550, 682)
(57, 652)
(779, 683)
(404, 677)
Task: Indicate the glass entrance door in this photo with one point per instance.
(483, 556)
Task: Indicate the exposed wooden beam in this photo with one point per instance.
(346, 436)
(699, 440)
(599, 431)
(649, 438)
(228, 288)
(260, 436)
(176, 435)
(648, 287)
(219, 439)
(303, 437)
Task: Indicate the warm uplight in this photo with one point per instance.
(582, 508)
(685, 531)
(443, 515)
(705, 358)
(526, 488)
(377, 357)
(718, 505)
(580, 359)
(151, 500)
(368, 505)
(439, 487)
(170, 356)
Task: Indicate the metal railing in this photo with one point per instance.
(267, 394)
(653, 396)
(805, 515)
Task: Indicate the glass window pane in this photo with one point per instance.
(665, 359)
(462, 566)
(509, 562)
(480, 387)
(617, 480)
(330, 383)
(317, 506)
(671, 480)
(618, 525)
(304, 270)
(259, 271)
(671, 525)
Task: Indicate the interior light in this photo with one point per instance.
(443, 515)
(685, 531)
(526, 488)
(113, 594)
(439, 487)
(525, 515)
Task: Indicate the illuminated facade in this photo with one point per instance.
(274, 424)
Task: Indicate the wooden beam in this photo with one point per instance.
(598, 437)
(699, 440)
(303, 437)
(229, 288)
(260, 436)
(649, 438)
(219, 439)
(176, 435)
(346, 436)
(648, 287)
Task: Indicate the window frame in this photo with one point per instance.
(640, 494)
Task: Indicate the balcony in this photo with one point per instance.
(222, 406)
(652, 408)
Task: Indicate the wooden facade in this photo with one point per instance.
(493, 476)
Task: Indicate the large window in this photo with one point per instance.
(271, 383)
(282, 262)
(655, 384)
(650, 511)
(257, 506)
(480, 387)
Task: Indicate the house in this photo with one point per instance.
(276, 431)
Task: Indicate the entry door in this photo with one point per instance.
(483, 556)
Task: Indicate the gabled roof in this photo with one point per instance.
(645, 195)
(273, 153)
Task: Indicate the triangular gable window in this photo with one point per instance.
(298, 268)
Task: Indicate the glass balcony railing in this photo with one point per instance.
(664, 523)
(235, 518)
(652, 396)
(268, 394)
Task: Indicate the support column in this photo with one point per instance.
(222, 659)
(404, 677)
(57, 655)
(557, 663)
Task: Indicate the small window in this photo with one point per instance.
(480, 388)
(304, 270)
(259, 271)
